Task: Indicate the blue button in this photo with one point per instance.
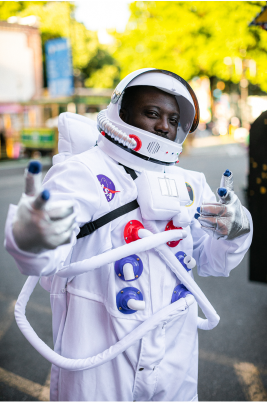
(180, 257)
(124, 296)
(180, 291)
(136, 263)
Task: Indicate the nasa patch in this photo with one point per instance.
(108, 187)
(190, 193)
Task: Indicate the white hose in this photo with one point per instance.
(118, 135)
(136, 304)
(147, 242)
(80, 267)
(128, 272)
(101, 358)
(169, 258)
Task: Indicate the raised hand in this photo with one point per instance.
(224, 219)
(39, 224)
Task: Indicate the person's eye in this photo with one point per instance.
(174, 121)
(151, 113)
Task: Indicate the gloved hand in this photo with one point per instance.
(227, 218)
(40, 225)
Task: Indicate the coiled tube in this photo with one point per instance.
(113, 131)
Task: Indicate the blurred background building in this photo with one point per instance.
(224, 59)
(21, 79)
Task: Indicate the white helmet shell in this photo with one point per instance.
(140, 147)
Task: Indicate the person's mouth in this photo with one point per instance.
(161, 135)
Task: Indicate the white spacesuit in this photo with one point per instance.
(128, 277)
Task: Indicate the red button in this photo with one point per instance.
(170, 226)
(131, 231)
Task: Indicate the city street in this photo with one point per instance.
(233, 356)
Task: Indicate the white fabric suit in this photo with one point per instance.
(164, 364)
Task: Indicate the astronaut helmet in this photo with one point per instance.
(138, 148)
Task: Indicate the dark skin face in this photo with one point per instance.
(154, 111)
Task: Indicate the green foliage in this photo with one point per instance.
(103, 78)
(56, 20)
(11, 8)
(7, 9)
(102, 70)
(192, 38)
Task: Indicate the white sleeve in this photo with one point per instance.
(66, 181)
(217, 257)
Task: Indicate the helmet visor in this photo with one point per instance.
(172, 84)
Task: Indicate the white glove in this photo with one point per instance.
(40, 225)
(227, 218)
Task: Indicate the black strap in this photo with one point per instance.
(90, 227)
(130, 171)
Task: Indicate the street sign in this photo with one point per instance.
(38, 138)
(59, 67)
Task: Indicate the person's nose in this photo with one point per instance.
(162, 125)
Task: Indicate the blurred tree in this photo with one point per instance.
(102, 70)
(105, 77)
(11, 8)
(193, 38)
(56, 20)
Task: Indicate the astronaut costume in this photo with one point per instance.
(123, 297)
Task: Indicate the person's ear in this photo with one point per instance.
(123, 115)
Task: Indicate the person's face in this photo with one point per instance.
(154, 111)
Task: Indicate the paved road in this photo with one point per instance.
(233, 358)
